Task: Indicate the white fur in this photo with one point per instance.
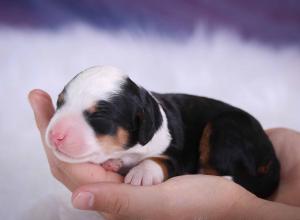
(93, 84)
(228, 178)
(157, 145)
(146, 173)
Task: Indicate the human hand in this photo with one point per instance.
(200, 196)
(182, 197)
(71, 175)
(287, 146)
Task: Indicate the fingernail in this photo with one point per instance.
(83, 200)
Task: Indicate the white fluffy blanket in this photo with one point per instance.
(260, 79)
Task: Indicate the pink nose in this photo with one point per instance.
(57, 138)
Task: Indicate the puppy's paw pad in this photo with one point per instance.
(146, 173)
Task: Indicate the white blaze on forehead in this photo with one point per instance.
(93, 84)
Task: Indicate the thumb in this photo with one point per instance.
(117, 199)
(42, 107)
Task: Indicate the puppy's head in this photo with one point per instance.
(101, 113)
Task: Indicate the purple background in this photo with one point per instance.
(276, 22)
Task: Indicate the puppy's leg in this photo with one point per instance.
(234, 144)
(149, 172)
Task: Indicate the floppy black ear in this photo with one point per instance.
(149, 117)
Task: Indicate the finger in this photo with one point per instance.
(86, 173)
(42, 108)
(118, 199)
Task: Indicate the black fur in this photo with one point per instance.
(134, 109)
(238, 144)
(149, 117)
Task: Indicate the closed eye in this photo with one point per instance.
(60, 100)
(100, 123)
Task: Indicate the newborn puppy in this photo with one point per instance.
(103, 117)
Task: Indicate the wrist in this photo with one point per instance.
(276, 211)
(243, 205)
(248, 206)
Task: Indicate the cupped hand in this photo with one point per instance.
(184, 195)
(202, 196)
(71, 175)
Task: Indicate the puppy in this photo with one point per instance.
(103, 117)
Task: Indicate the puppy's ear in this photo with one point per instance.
(149, 117)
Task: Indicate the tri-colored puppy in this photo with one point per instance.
(103, 117)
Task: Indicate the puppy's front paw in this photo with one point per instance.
(145, 173)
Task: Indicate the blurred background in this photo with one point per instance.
(246, 53)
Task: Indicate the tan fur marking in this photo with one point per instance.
(209, 171)
(204, 145)
(92, 109)
(204, 150)
(114, 143)
(264, 169)
(161, 162)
